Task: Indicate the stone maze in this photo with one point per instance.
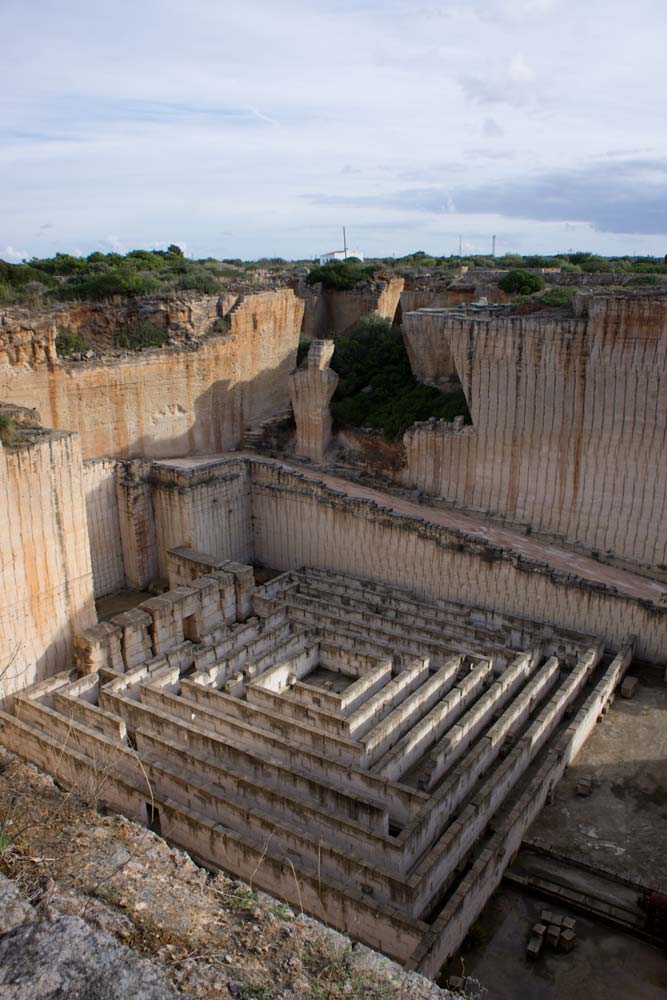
(372, 758)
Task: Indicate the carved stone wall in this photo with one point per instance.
(569, 430)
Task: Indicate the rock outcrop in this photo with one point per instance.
(65, 957)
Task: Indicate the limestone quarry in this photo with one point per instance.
(343, 693)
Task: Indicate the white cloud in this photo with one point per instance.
(208, 128)
(15, 256)
(519, 71)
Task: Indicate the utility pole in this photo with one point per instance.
(460, 245)
(493, 252)
(344, 245)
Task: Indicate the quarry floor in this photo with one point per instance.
(562, 558)
(604, 965)
(622, 826)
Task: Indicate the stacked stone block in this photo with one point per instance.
(347, 747)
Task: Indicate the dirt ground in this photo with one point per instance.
(604, 965)
(622, 826)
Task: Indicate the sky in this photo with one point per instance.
(261, 127)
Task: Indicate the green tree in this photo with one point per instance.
(520, 283)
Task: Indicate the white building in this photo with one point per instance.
(326, 258)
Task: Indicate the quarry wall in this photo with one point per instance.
(298, 522)
(569, 427)
(104, 534)
(194, 398)
(332, 313)
(46, 585)
(209, 511)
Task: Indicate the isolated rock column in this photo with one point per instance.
(311, 389)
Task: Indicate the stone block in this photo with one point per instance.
(553, 935)
(629, 686)
(567, 940)
(534, 947)
(584, 787)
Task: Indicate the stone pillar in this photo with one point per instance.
(311, 389)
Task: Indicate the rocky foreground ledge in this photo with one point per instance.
(100, 908)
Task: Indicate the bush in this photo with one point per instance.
(115, 281)
(558, 296)
(341, 274)
(520, 282)
(136, 336)
(645, 279)
(377, 387)
(199, 281)
(68, 342)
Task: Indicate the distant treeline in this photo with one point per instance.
(141, 272)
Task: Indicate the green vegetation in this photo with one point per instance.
(136, 336)
(101, 276)
(377, 388)
(68, 342)
(8, 438)
(244, 898)
(123, 281)
(559, 295)
(341, 274)
(520, 283)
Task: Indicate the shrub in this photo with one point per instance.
(341, 274)
(68, 342)
(645, 279)
(558, 296)
(136, 336)
(520, 282)
(377, 387)
(115, 281)
(199, 281)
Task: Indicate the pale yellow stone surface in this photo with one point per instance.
(311, 389)
(569, 422)
(46, 584)
(165, 401)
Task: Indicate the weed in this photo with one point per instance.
(5, 839)
(244, 897)
(282, 911)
